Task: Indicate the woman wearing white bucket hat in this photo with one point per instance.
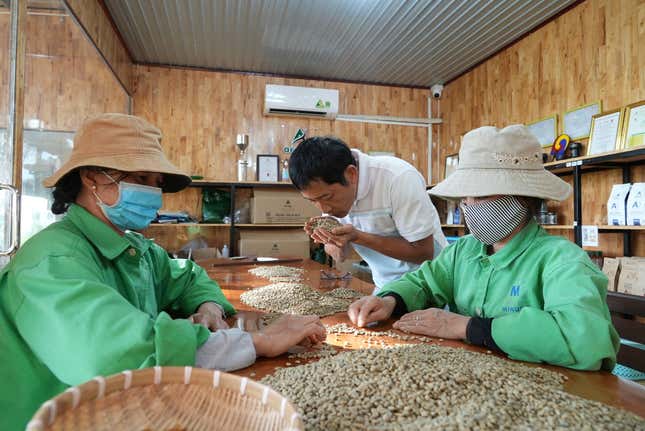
(510, 286)
(87, 296)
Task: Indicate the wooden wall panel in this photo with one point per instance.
(592, 52)
(5, 31)
(200, 113)
(65, 78)
(100, 30)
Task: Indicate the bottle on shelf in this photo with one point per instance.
(225, 251)
(457, 217)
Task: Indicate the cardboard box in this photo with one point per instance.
(616, 204)
(281, 207)
(611, 268)
(283, 243)
(632, 277)
(636, 205)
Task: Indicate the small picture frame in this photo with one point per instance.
(545, 130)
(577, 122)
(605, 132)
(452, 161)
(633, 134)
(268, 167)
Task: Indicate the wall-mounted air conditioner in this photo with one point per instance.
(300, 101)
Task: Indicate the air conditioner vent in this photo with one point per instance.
(300, 101)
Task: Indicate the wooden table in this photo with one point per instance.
(599, 386)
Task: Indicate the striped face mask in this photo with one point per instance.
(494, 220)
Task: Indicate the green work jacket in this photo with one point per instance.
(547, 299)
(78, 300)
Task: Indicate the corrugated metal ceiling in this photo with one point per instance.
(414, 43)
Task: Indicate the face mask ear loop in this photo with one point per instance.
(98, 199)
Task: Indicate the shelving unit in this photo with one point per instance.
(232, 187)
(622, 159)
(557, 226)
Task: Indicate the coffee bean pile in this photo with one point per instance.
(278, 273)
(294, 298)
(325, 223)
(429, 387)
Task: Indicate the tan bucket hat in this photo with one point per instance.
(501, 162)
(123, 142)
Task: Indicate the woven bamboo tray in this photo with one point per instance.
(168, 398)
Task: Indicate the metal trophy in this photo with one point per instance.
(242, 143)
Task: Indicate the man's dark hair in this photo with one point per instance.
(320, 158)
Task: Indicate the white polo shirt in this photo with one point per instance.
(391, 201)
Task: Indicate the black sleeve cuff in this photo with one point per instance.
(479, 333)
(400, 308)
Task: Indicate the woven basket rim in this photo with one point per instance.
(100, 387)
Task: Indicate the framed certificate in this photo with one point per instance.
(577, 122)
(268, 167)
(605, 132)
(545, 130)
(634, 125)
(451, 164)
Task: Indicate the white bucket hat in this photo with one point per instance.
(501, 162)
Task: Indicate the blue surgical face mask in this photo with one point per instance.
(136, 207)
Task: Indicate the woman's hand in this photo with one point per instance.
(370, 309)
(286, 332)
(434, 322)
(209, 315)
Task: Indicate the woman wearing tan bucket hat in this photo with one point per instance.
(510, 286)
(87, 296)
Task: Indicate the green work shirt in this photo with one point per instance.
(78, 300)
(547, 299)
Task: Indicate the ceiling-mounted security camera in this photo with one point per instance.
(436, 90)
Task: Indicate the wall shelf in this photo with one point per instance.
(190, 224)
(270, 225)
(621, 228)
(241, 184)
(610, 160)
(456, 226)
(557, 226)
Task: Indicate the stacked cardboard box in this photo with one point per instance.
(626, 275)
(281, 207)
(632, 276)
(282, 243)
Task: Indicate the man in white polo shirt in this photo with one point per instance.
(381, 201)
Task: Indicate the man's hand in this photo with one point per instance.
(336, 253)
(209, 315)
(339, 236)
(286, 332)
(434, 322)
(370, 309)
